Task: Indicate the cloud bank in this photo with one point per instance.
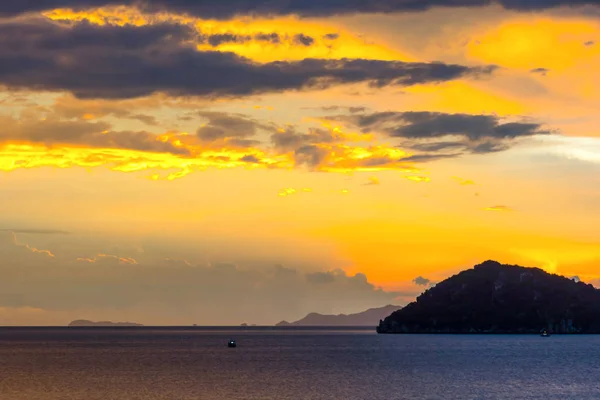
(94, 61)
(163, 290)
(306, 8)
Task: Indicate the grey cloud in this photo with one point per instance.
(147, 119)
(288, 140)
(420, 281)
(331, 36)
(308, 8)
(355, 110)
(320, 277)
(437, 146)
(589, 43)
(94, 134)
(291, 139)
(490, 147)
(352, 110)
(224, 125)
(422, 158)
(124, 62)
(70, 108)
(237, 142)
(250, 158)
(309, 155)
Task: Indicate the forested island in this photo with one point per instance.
(497, 298)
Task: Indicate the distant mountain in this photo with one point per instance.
(365, 318)
(83, 322)
(496, 298)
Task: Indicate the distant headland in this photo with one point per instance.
(83, 322)
(497, 298)
(365, 318)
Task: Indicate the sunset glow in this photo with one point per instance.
(146, 150)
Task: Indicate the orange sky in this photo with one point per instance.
(304, 178)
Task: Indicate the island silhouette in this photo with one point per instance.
(497, 298)
(365, 318)
(84, 322)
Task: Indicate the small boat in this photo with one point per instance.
(231, 343)
(545, 334)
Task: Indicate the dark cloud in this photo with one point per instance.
(423, 125)
(216, 40)
(589, 43)
(268, 37)
(303, 40)
(541, 71)
(430, 132)
(308, 8)
(127, 62)
(219, 39)
(38, 34)
(331, 36)
(224, 126)
(427, 125)
(420, 281)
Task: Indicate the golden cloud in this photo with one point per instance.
(498, 208)
(99, 257)
(462, 181)
(169, 166)
(415, 178)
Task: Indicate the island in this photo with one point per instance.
(497, 298)
(365, 318)
(83, 322)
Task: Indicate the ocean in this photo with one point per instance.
(186, 364)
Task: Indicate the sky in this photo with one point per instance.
(178, 162)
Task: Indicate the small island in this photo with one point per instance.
(497, 298)
(86, 323)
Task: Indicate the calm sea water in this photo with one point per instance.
(182, 364)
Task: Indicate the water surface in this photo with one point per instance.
(173, 364)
